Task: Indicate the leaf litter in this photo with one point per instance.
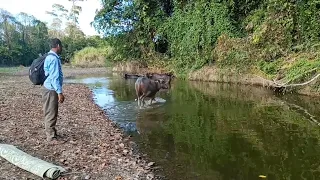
(95, 147)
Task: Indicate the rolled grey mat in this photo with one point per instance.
(30, 163)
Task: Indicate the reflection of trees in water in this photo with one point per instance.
(312, 104)
(307, 106)
(240, 92)
(231, 136)
(97, 85)
(124, 89)
(150, 119)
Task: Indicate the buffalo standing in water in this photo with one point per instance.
(167, 77)
(146, 87)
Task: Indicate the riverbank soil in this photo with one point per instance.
(95, 147)
(214, 74)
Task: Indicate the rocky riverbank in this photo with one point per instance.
(95, 147)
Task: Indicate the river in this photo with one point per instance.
(217, 131)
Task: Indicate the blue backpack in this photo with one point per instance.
(36, 71)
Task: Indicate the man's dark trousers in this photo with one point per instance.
(50, 109)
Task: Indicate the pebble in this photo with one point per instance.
(82, 153)
(125, 152)
(118, 178)
(76, 178)
(150, 176)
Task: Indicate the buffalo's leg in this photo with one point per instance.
(152, 99)
(148, 95)
(138, 99)
(142, 99)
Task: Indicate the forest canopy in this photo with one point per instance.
(23, 37)
(277, 39)
(191, 34)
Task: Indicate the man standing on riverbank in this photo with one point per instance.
(52, 90)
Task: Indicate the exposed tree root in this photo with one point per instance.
(280, 87)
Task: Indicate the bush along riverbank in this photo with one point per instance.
(95, 147)
(248, 60)
(273, 42)
(295, 73)
(241, 61)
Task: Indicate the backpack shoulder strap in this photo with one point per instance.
(53, 55)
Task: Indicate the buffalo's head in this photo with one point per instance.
(163, 84)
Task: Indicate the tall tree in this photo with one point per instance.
(75, 11)
(22, 38)
(9, 37)
(59, 14)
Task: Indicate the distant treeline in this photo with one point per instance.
(23, 37)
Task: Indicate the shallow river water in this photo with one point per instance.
(217, 131)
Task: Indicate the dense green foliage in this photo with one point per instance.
(92, 57)
(277, 39)
(244, 35)
(23, 37)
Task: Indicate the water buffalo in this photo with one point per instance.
(166, 77)
(132, 76)
(146, 87)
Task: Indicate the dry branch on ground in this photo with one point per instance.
(278, 85)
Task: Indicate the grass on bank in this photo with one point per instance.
(90, 57)
(244, 56)
(10, 70)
